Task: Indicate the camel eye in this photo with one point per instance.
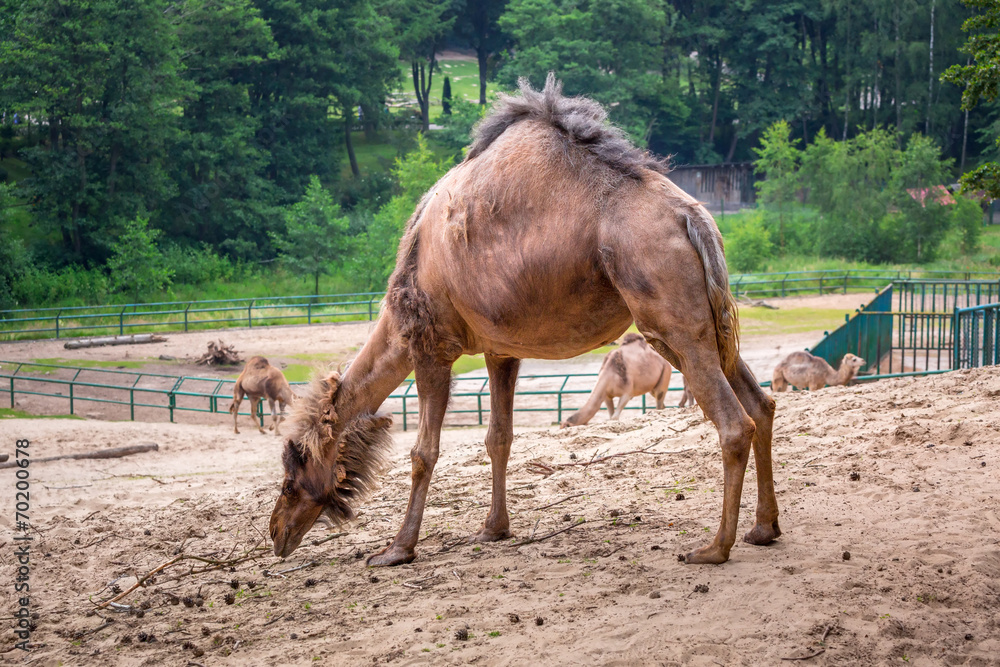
(288, 489)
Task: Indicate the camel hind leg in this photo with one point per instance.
(679, 323)
(760, 407)
(255, 414)
(503, 377)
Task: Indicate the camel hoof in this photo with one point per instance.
(710, 555)
(391, 555)
(763, 534)
(485, 535)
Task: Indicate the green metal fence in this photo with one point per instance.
(909, 327)
(325, 308)
(554, 394)
(977, 336)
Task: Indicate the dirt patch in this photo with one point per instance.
(919, 520)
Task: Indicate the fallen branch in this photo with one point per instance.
(133, 339)
(111, 453)
(806, 657)
(326, 539)
(546, 469)
(532, 540)
(558, 502)
(212, 564)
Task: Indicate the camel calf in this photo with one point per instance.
(805, 371)
(258, 380)
(632, 370)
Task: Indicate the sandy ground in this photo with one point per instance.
(902, 564)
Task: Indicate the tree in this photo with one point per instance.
(477, 24)
(446, 97)
(315, 239)
(101, 76)
(777, 160)
(222, 197)
(421, 26)
(981, 80)
(136, 264)
(611, 51)
(416, 172)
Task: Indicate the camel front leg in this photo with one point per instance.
(235, 409)
(503, 377)
(433, 390)
(271, 403)
(625, 398)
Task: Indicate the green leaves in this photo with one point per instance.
(136, 265)
(315, 241)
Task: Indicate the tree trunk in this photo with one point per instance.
(965, 139)
(930, 78)
(316, 283)
(715, 101)
(896, 66)
(482, 56)
(348, 117)
(732, 146)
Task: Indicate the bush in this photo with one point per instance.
(192, 266)
(70, 284)
(967, 216)
(749, 244)
(137, 266)
(457, 126)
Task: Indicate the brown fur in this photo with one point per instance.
(259, 380)
(569, 234)
(632, 370)
(805, 371)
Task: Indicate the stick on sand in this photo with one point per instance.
(112, 453)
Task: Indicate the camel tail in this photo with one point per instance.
(707, 241)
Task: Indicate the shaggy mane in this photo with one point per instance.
(362, 449)
(582, 122)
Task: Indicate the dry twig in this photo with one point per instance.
(532, 540)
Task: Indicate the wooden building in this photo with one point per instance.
(718, 186)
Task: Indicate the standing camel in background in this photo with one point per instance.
(258, 380)
(631, 370)
(805, 371)
(548, 240)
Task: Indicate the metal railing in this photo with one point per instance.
(188, 315)
(313, 309)
(977, 336)
(911, 326)
(552, 393)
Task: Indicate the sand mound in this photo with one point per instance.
(919, 522)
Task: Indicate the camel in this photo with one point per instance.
(632, 370)
(548, 240)
(803, 370)
(258, 380)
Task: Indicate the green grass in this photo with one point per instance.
(757, 321)
(8, 413)
(464, 75)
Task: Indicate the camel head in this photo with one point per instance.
(330, 464)
(853, 362)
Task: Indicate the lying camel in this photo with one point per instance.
(805, 371)
(548, 240)
(631, 370)
(258, 380)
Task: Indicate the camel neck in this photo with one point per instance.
(381, 365)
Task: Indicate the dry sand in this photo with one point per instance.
(921, 585)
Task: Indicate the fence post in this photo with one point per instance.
(121, 321)
(131, 403)
(186, 308)
(404, 412)
(71, 397)
(11, 392)
(249, 315)
(784, 278)
(479, 398)
(370, 310)
(821, 284)
(57, 322)
(309, 313)
(845, 282)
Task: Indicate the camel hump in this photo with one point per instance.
(633, 338)
(581, 121)
(257, 362)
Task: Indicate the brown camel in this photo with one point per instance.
(631, 370)
(805, 371)
(258, 380)
(548, 240)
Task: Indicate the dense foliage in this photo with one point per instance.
(198, 130)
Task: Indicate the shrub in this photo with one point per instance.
(749, 244)
(967, 217)
(137, 266)
(192, 266)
